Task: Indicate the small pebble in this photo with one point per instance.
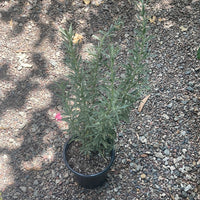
(52, 62)
(176, 172)
(187, 188)
(176, 197)
(190, 89)
(126, 35)
(184, 194)
(184, 102)
(143, 176)
(57, 181)
(172, 168)
(191, 83)
(132, 164)
(187, 72)
(176, 119)
(159, 155)
(183, 133)
(35, 193)
(165, 159)
(123, 161)
(195, 100)
(46, 172)
(156, 145)
(66, 175)
(19, 68)
(167, 152)
(176, 160)
(184, 150)
(143, 139)
(23, 189)
(170, 105)
(35, 182)
(121, 134)
(53, 173)
(165, 116)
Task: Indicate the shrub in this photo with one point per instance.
(98, 98)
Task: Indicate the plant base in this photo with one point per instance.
(92, 180)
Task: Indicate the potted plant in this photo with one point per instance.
(100, 94)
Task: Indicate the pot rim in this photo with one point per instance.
(88, 175)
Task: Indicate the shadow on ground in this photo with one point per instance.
(33, 141)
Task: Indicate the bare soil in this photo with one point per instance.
(86, 164)
(158, 154)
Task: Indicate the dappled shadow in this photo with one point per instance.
(13, 12)
(57, 88)
(40, 147)
(16, 98)
(24, 11)
(35, 154)
(41, 132)
(4, 72)
(175, 10)
(46, 31)
(57, 9)
(41, 63)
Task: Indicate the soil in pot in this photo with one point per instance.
(85, 164)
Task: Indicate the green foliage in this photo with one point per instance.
(98, 99)
(198, 54)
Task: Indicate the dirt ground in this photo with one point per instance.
(158, 152)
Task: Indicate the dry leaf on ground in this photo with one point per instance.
(153, 19)
(98, 2)
(142, 103)
(11, 23)
(86, 2)
(21, 51)
(161, 19)
(183, 28)
(143, 155)
(77, 38)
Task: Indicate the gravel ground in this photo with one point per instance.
(158, 154)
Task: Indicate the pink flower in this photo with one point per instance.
(58, 117)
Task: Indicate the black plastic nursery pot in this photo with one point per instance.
(92, 180)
